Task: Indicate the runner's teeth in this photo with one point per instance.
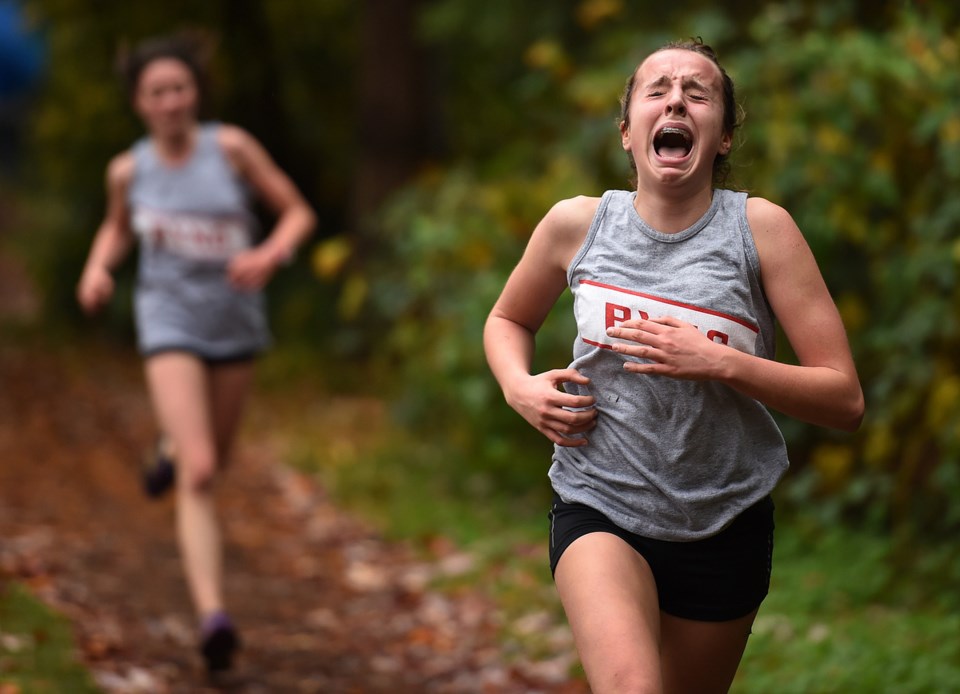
(674, 131)
(674, 139)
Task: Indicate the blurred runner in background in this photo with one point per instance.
(184, 191)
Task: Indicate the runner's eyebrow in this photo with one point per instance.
(687, 82)
(694, 83)
(661, 81)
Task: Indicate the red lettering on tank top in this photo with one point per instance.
(617, 314)
(718, 336)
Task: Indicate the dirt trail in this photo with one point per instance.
(323, 603)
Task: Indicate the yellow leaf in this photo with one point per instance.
(834, 464)
(548, 55)
(330, 256)
(943, 401)
(879, 447)
(353, 296)
(590, 13)
(477, 254)
(950, 131)
(853, 311)
(831, 140)
(880, 160)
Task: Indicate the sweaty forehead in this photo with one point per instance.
(678, 63)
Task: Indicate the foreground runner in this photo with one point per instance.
(665, 455)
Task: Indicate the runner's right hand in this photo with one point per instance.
(95, 289)
(554, 413)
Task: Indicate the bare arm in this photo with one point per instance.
(113, 239)
(295, 219)
(509, 334)
(823, 389)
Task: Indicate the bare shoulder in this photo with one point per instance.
(774, 230)
(242, 149)
(234, 139)
(766, 216)
(120, 173)
(562, 230)
(120, 170)
(575, 211)
(570, 219)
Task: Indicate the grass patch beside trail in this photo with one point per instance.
(848, 613)
(37, 653)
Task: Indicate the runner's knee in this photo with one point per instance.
(196, 472)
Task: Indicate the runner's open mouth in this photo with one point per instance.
(672, 143)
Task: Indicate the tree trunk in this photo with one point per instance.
(392, 114)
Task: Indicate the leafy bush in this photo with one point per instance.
(857, 134)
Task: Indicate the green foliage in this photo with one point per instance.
(857, 134)
(36, 647)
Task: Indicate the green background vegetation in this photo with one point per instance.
(430, 158)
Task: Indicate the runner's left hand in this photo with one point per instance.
(670, 347)
(250, 270)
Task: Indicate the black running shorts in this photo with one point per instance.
(716, 579)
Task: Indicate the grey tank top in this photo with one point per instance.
(669, 459)
(191, 219)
